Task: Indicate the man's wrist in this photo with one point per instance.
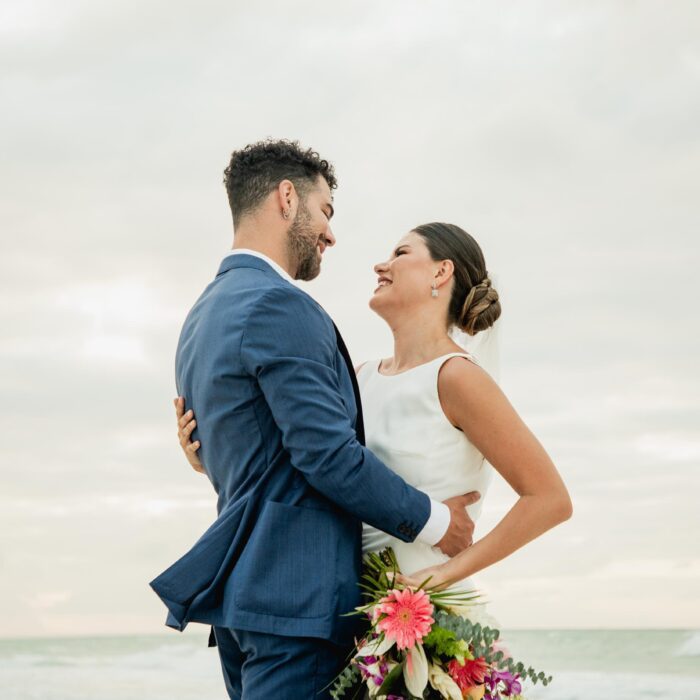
(437, 525)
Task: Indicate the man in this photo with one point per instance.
(270, 380)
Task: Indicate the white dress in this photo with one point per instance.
(407, 429)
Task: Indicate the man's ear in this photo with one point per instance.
(287, 199)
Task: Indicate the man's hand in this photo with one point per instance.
(461, 531)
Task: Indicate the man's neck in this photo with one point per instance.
(271, 249)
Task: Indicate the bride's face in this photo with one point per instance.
(405, 279)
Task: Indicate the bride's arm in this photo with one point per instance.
(473, 402)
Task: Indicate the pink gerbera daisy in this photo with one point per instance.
(406, 616)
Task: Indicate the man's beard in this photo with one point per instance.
(302, 245)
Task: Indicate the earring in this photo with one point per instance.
(434, 291)
(285, 213)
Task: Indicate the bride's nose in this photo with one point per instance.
(380, 267)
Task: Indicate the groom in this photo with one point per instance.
(279, 420)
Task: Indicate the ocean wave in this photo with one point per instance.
(107, 652)
(621, 686)
(691, 645)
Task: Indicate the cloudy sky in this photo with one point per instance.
(564, 136)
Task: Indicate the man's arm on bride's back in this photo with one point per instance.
(290, 346)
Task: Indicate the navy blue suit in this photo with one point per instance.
(259, 362)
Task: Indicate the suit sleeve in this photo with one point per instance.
(290, 347)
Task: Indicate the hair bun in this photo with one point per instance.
(473, 307)
(481, 308)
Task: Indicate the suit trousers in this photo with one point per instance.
(258, 666)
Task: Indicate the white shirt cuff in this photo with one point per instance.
(437, 525)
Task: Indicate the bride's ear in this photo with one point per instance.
(444, 272)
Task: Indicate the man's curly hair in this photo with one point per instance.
(254, 171)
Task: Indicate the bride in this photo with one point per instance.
(437, 418)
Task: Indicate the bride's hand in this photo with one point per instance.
(439, 578)
(185, 425)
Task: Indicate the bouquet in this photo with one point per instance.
(421, 643)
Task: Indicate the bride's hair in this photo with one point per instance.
(474, 305)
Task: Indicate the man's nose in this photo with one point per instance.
(330, 238)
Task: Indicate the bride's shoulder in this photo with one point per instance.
(462, 372)
(465, 389)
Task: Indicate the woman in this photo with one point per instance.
(437, 418)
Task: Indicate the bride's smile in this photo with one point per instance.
(413, 294)
(382, 282)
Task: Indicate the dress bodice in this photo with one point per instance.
(407, 429)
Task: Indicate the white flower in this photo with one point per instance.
(375, 611)
(415, 672)
(376, 647)
(443, 683)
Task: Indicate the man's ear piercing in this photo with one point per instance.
(285, 213)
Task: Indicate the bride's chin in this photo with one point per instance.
(378, 307)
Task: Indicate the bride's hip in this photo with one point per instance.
(414, 556)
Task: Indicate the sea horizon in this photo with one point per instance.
(203, 632)
(625, 664)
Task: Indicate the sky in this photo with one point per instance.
(564, 136)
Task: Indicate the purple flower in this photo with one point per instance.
(511, 684)
(374, 667)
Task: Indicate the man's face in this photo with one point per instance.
(310, 233)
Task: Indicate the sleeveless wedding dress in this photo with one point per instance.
(407, 429)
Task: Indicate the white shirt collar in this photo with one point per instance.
(278, 268)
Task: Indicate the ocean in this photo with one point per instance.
(586, 664)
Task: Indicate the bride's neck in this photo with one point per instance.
(417, 341)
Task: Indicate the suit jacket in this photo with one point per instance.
(259, 362)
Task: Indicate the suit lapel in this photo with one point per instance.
(359, 423)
